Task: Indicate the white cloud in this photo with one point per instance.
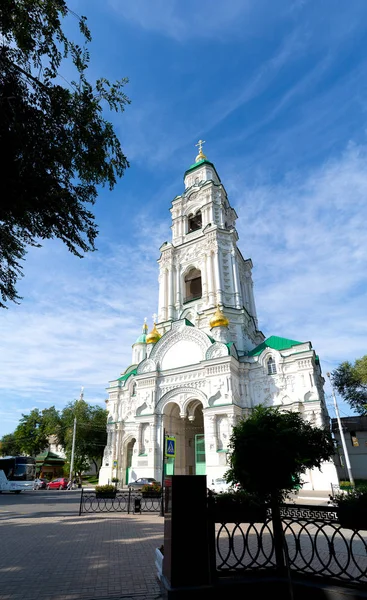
(307, 239)
(183, 21)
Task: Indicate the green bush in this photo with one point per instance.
(103, 489)
(270, 451)
(352, 507)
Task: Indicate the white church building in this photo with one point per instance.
(205, 364)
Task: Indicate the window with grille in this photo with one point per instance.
(272, 368)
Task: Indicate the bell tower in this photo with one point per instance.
(202, 267)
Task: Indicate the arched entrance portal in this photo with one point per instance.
(189, 434)
(129, 458)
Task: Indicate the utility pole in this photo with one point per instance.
(345, 449)
(73, 444)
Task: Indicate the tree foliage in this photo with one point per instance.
(9, 445)
(350, 380)
(34, 429)
(270, 451)
(57, 146)
(32, 434)
(91, 435)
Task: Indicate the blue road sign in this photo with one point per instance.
(170, 450)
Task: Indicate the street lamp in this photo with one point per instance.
(345, 450)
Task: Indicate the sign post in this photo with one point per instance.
(163, 462)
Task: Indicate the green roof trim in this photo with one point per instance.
(274, 342)
(199, 163)
(188, 323)
(49, 458)
(127, 375)
(203, 161)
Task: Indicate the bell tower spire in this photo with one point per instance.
(202, 267)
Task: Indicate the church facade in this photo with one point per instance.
(205, 364)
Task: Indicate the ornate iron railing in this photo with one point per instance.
(312, 543)
(123, 501)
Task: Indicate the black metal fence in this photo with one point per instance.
(128, 501)
(307, 540)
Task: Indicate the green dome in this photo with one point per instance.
(142, 339)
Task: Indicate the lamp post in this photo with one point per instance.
(73, 444)
(345, 450)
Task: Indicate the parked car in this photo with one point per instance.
(219, 486)
(58, 484)
(138, 484)
(40, 484)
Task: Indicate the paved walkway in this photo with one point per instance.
(48, 552)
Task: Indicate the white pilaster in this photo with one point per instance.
(210, 272)
(178, 289)
(171, 307)
(236, 282)
(218, 278)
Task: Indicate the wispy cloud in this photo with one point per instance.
(306, 236)
(181, 22)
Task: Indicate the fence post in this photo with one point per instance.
(211, 537)
(81, 502)
(128, 501)
(278, 535)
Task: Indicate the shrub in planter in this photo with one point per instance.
(105, 491)
(239, 506)
(352, 509)
(151, 491)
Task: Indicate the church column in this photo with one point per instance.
(205, 279)
(209, 270)
(218, 279)
(171, 307)
(247, 298)
(236, 280)
(252, 300)
(114, 438)
(164, 294)
(178, 290)
(211, 214)
(158, 449)
(161, 297)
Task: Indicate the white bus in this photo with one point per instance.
(17, 473)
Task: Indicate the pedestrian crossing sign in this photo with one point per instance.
(170, 450)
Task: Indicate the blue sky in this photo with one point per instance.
(277, 88)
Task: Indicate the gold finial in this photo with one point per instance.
(153, 336)
(201, 154)
(218, 319)
(145, 326)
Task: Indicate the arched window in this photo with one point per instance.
(272, 368)
(194, 222)
(133, 391)
(192, 285)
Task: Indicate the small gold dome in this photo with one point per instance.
(153, 336)
(218, 319)
(200, 156)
